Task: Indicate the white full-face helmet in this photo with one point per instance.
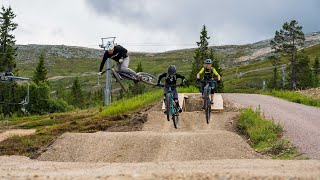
(110, 45)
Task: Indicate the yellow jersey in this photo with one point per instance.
(208, 73)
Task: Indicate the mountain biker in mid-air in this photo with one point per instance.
(118, 54)
(171, 79)
(208, 72)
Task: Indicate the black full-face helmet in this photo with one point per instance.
(172, 70)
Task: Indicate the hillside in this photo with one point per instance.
(66, 62)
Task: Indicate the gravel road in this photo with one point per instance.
(301, 123)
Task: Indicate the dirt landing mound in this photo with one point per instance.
(147, 146)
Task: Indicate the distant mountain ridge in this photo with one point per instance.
(236, 54)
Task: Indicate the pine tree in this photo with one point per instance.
(274, 80)
(7, 40)
(40, 74)
(202, 53)
(139, 67)
(77, 94)
(303, 73)
(316, 70)
(137, 88)
(287, 41)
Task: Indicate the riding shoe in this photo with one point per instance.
(211, 102)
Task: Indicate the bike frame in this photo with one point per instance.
(172, 103)
(207, 103)
(172, 111)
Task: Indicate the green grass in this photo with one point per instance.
(51, 126)
(132, 104)
(264, 135)
(294, 97)
(190, 89)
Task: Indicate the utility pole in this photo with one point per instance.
(107, 92)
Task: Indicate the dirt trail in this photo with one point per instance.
(24, 168)
(301, 123)
(194, 151)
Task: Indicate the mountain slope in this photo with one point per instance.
(66, 62)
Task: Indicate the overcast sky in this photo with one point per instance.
(157, 25)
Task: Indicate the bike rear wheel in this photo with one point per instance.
(208, 111)
(148, 78)
(168, 106)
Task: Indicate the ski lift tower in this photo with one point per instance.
(7, 78)
(107, 92)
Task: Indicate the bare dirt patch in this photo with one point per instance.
(12, 132)
(312, 93)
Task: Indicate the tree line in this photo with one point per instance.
(301, 73)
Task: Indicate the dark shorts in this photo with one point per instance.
(211, 84)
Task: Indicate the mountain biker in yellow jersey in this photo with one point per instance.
(171, 79)
(208, 72)
(118, 54)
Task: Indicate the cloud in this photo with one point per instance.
(168, 22)
(245, 21)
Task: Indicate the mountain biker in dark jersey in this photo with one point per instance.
(208, 72)
(118, 54)
(171, 79)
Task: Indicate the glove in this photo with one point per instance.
(219, 81)
(198, 80)
(120, 60)
(99, 73)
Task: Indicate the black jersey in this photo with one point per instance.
(119, 52)
(170, 80)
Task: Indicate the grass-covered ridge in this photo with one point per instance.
(132, 104)
(294, 97)
(264, 135)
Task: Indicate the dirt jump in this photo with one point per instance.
(196, 150)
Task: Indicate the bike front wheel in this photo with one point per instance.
(207, 103)
(148, 78)
(208, 111)
(175, 118)
(168, 106)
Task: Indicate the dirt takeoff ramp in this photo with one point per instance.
(146, 146)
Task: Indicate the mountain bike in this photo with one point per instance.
(172, 110)
(206, 98)
(143, 77)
